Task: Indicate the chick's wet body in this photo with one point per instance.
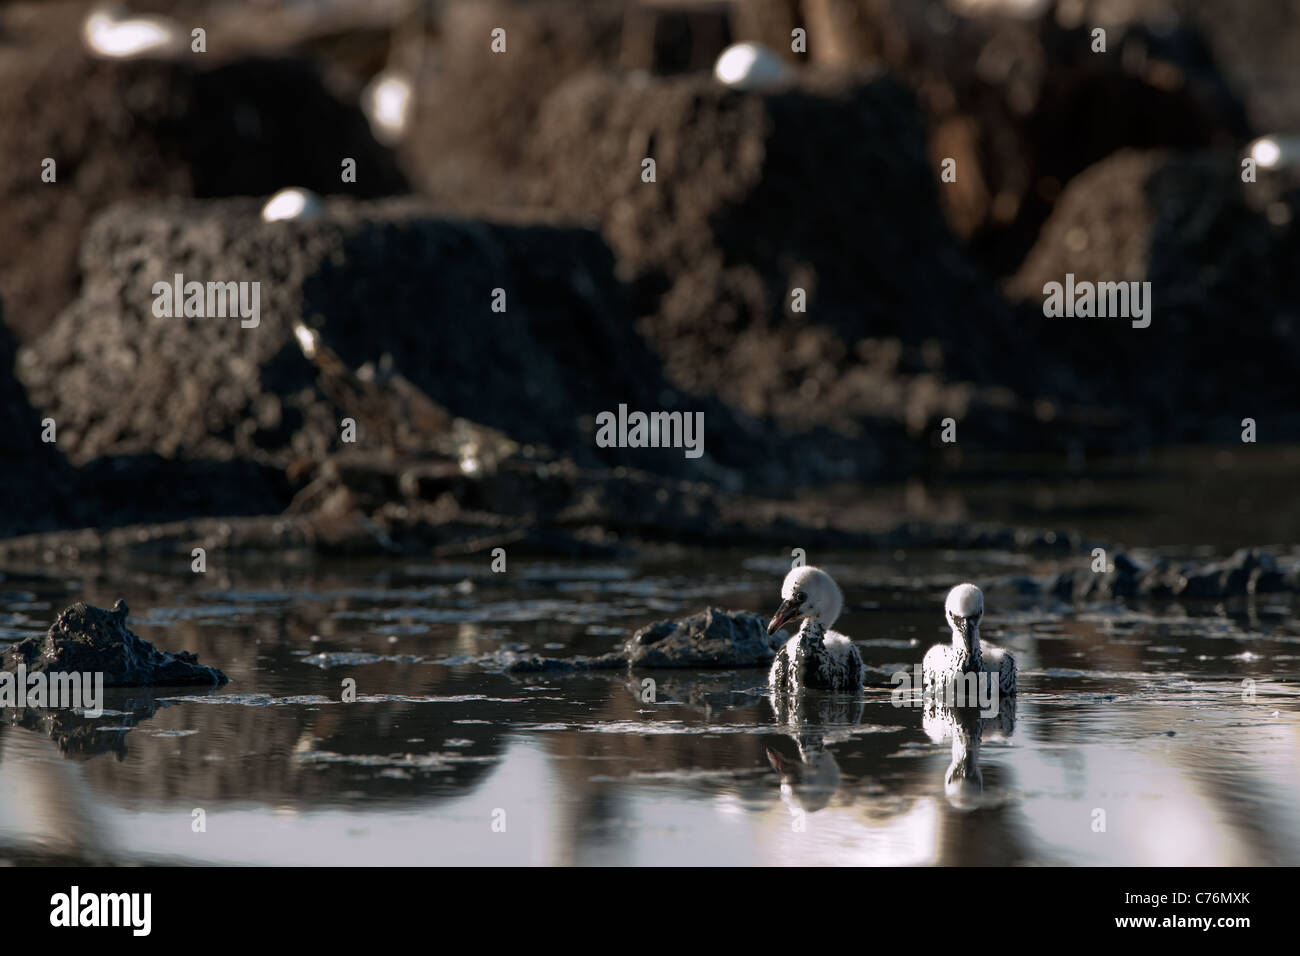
(815, 659)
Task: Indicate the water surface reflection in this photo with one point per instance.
(446, 757)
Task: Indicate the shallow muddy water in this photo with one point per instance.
(1133, 741)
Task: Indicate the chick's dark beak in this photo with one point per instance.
(787, 610)
(967, 629)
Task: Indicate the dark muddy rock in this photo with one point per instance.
(711, 638)
(89, 639)
(1248, 571)
(1121, 580)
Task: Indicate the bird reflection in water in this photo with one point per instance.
(968, 729)
(811, 776)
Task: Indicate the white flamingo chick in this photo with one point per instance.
(816, 658)
(945, 663)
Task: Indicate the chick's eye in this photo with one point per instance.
(800, 596)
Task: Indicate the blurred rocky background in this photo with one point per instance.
(521, 171)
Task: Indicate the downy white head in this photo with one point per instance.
(964, 609)
(808, 592)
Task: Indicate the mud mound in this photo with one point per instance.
(90, 640)
(392, 291)
(711, 638)
(824, 187)
(124, 130)
(1221, 257)
(1023, 103)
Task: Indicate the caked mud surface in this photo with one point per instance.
(1154, 710)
